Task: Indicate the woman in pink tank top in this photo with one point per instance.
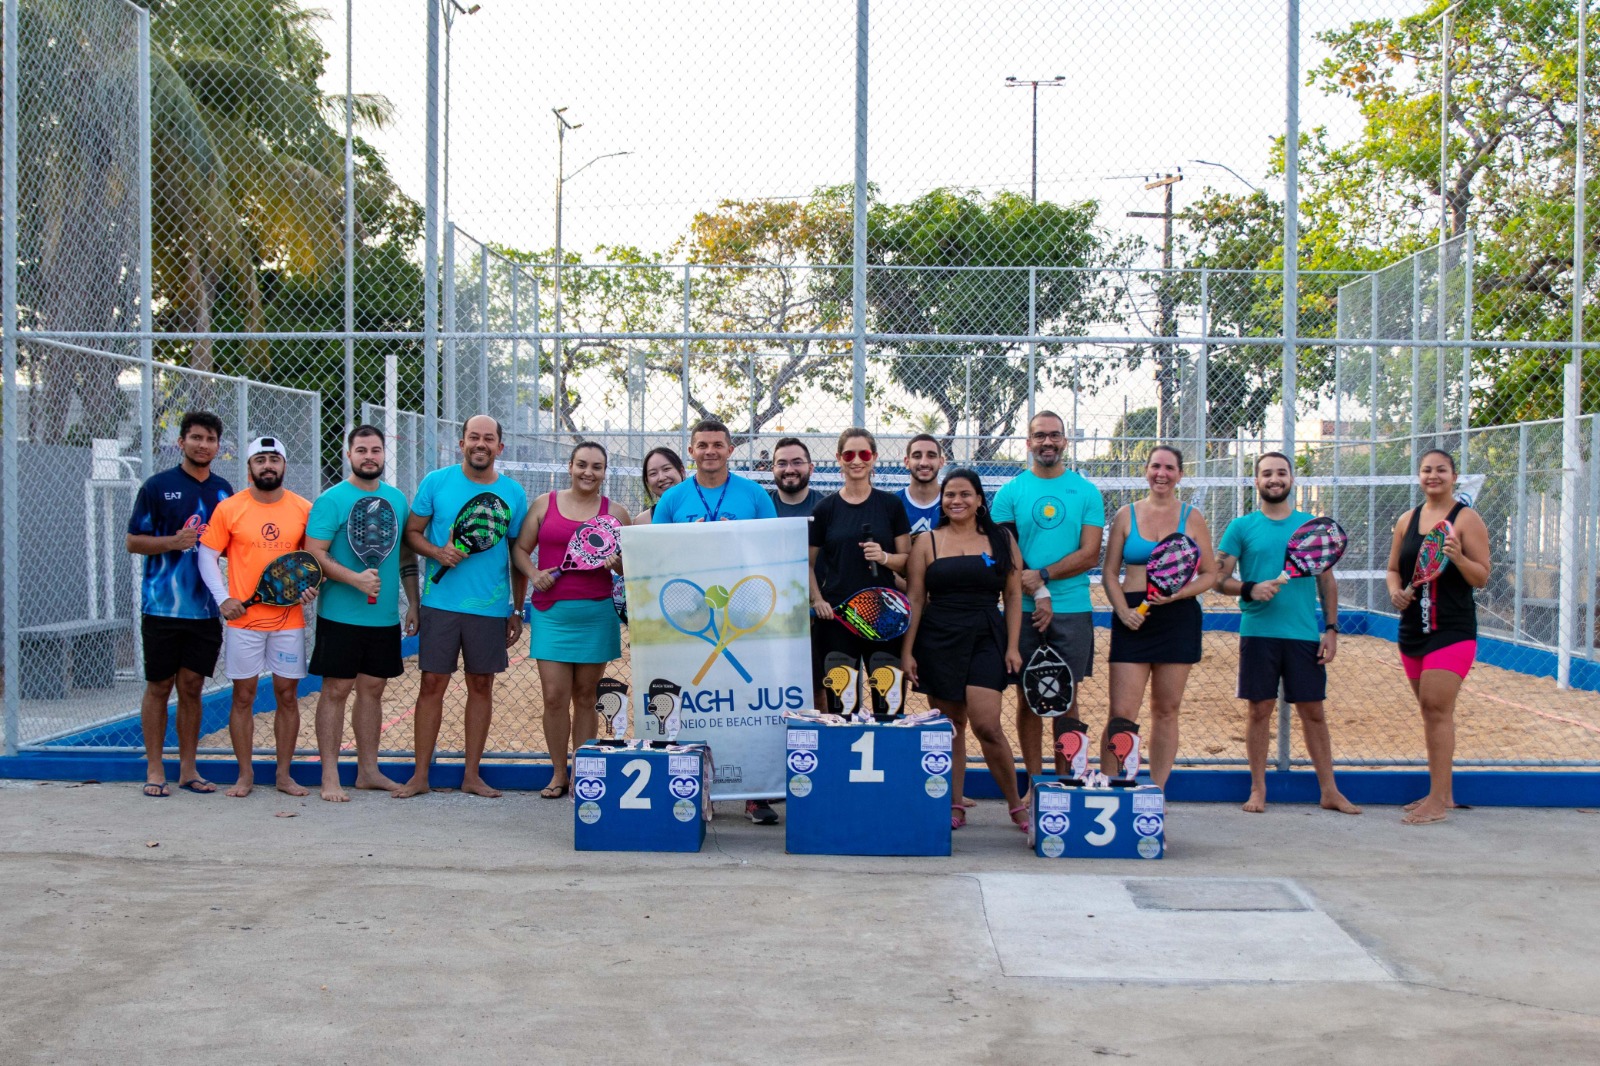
(574, 631)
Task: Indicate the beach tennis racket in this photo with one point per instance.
(1047, 683)
(686, 609)
(841, 677)
(1431, 562)
(480, 525)
(875, 614)
(285, 580)
(1313, 548)
(886, 681)
(1172, 565)
(619, 596)
(750, 603)
(611, 706)
(592, 546)
(373, 532)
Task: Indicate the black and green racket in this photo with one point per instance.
(481, 523)
(285, 580)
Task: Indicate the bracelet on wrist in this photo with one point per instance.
(1245, 589)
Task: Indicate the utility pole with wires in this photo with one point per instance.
(1166, 385)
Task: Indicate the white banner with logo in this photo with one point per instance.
(720, 636)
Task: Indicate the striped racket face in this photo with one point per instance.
(875, 614)
(1315, 547)
(373, 530)
(1431, 559)
(1172, 564)
(286, 579)
(480, 524)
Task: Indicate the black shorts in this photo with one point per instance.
(173, 644)
(1170, 633)
(448, 639)
(1264, 661)
(956, 651)
(344, 650)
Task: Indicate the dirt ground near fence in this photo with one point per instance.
(1501, 714)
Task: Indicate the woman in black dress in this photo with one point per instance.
(1439, 639)
(960, 650)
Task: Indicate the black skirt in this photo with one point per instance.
(1170, 634)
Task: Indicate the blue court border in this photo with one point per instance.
(1487, 788)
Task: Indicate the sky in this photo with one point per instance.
(717, 99)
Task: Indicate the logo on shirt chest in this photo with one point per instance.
(269, 531)
(1048, 512)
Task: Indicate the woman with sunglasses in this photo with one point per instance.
(860, 538)
(960, 650)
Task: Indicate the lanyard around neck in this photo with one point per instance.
(712, 512)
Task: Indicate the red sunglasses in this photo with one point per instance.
(852, 456)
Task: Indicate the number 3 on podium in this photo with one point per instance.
(1106, 808)
(865, 772)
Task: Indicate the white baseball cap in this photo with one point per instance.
(265, 445)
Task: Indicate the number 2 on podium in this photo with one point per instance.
(865, 773)
(639, 770)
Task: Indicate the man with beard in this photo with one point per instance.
(178, 626)
(252, 528)
(473, 617)
(1058, 518)
(714, 494)
(791, 473)
(924, 460)
(1280, 646)
(358, 627)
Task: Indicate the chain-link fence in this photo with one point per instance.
(839, 214)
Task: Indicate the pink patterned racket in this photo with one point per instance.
(1172, 565)
(1314, 547)
(1431, 562)
(593, 544)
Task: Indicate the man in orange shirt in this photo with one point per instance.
(252, 528)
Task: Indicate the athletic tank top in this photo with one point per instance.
(964, 582)
(554, 533)
(1136, 549)
(1451, 616)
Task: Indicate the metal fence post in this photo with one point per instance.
(1202, 417)
(538, 364)
(1291, 229)
(147, 318)
(1519, 537)
(1572, 396)
(483, 324)
(683, 428)
(350, 219)
(430, 254)
(858, 268)
(516, 345)
(1468, 251)
(241, 401)
(1033, 346)
(9, 540)
(451, 413)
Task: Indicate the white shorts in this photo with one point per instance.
(250, 653)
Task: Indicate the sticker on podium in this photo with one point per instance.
(1072, 822)
(634, 798)
(859, 788)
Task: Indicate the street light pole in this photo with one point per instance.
(1035, 84)
(558, 393)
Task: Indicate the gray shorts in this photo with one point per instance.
(447, 639)
(1072, 636)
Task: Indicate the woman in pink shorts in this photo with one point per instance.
(1439, 630)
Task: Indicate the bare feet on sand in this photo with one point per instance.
(1335, 801)
(1256, 803)
(376, 781)
(415, 787)
(333, 793)
(475, 786)
(242, 787)
(290, 787)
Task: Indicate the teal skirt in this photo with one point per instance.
(576, 631)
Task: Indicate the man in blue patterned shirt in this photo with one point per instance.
(179, 627)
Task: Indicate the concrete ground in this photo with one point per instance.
(452, 929)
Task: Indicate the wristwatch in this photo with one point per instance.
(1332, 627)
(1044, 574)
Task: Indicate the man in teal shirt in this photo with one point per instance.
(1057, 517)
(1279, 641)
(358, 643)
(470, 614)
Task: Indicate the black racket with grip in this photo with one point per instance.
(373, 531)
(481, 523)
(285, 580)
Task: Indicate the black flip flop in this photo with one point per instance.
(560, 790)
(194, 786)
(161, 790)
